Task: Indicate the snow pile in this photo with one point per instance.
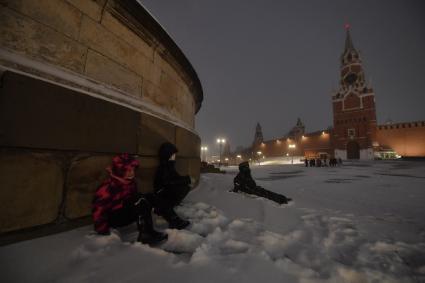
(362, 222)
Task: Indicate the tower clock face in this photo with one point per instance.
(350, 78)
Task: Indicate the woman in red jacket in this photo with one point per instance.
(117, 203)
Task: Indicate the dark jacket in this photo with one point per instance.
(244, 181)
(166, 176)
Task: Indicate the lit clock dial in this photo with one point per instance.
(350, 78)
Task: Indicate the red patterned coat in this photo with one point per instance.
(109, 197)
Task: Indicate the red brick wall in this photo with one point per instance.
(407, 139)
(360, 116)
(310, 145)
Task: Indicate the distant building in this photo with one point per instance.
(355, 133)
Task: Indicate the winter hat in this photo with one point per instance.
(243, 165)
(121, 163)
(166, 150)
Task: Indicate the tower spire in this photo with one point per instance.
(348, 42)
(258, 137)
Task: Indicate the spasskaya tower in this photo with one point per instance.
(354, 115)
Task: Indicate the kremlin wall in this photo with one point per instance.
(355, 134)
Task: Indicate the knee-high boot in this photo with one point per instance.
(147, 234)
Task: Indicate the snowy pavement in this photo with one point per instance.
(362, 222)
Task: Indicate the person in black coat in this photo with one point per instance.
(245, 183)
(170, 188)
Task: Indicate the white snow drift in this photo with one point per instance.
(363, 222)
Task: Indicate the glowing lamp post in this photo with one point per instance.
(204, 150)
(292, 147)
(220, 142)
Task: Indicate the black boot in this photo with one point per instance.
(147, 235)
(174, 221)
(284, 200)
(178, 223)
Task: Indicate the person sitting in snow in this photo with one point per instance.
(117, 203)
(245, 183)
(170, 188)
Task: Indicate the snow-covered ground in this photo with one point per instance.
(362, 222)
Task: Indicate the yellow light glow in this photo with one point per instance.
(239, 156)
(259, 152)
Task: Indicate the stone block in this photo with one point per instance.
(155, 95)
(145, 173)
(109, 72)
(165, 62)
(98, 38)
(188, 143)
(185, 107)
(92, 8)
(37, 114)
(58, 15)
(169, 86)
(24, 35)
(153, 132)
(120, 30)
(31, 190)
(84, 176)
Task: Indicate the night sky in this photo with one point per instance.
(273, 61)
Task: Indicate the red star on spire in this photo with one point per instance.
(347, 26)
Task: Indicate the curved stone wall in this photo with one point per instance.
(113, 43)
(80, 82)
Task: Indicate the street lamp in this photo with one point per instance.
(204, 150)
(291, 147)
(220, 142)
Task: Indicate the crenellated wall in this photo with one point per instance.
(406, 139)
(80, 82)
